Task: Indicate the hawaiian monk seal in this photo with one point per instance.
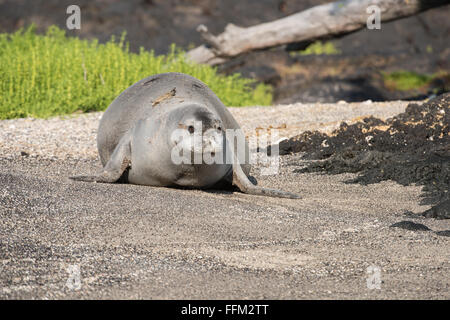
(155, 132)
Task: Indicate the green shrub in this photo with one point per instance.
(406, 80)
(318, 48)
(52, 74)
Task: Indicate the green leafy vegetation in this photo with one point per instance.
(319, 48)
(406, 80)
(52, 74)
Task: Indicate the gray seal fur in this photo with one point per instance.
(135, 137)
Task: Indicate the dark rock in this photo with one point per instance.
(439, 211)
(409, 225)
(444, 233)
(328, 90)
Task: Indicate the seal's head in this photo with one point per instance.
(197, 133)
(186, 145)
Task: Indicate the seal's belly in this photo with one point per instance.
(198, 176)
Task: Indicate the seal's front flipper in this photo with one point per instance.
(115, 167)
(241, 180)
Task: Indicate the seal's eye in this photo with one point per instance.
(191, 129)
(219, 128)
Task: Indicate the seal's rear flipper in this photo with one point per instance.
(103, 177)
(115, 167)
(241, 180)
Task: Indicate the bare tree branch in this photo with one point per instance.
(327, 20)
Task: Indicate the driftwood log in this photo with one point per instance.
(324, 21)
